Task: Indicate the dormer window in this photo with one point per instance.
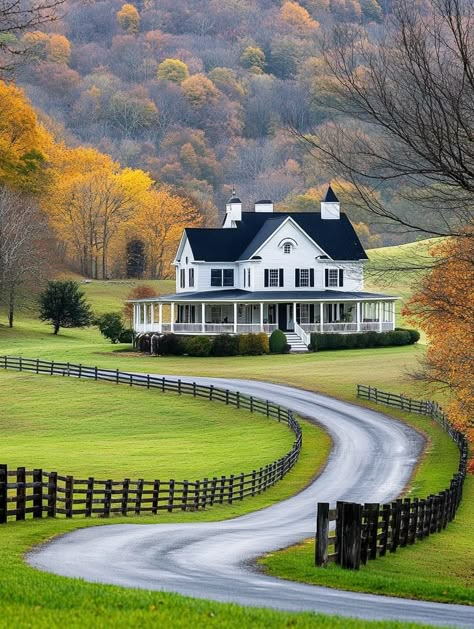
(287, 247)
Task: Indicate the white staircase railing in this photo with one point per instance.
(304, 336)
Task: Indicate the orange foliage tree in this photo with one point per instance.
(444, 308)
(139, 292)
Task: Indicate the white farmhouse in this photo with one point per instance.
(301, 272)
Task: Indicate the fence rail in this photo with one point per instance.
(368, 531)
(38, 493)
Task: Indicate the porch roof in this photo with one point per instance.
(243, 296)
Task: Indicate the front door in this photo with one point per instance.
(285, 317)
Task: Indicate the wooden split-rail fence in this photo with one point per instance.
(351, 534)
(38, 493)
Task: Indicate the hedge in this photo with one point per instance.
(220, 345)
(363, 339)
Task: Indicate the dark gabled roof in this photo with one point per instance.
(336, 237)
(330, 196)
(234, 200)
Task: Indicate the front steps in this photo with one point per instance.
(295, 342)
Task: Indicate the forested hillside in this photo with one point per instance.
(197, 93)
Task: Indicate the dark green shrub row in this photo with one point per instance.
(363, 339)
(221, 345)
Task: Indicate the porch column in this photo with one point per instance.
(294, 315)
(381, 309)
(143, 315)
(393, 315)
(203, 318)
(235, 318)
(358, 316)
(172, 316)
(160, 315)
(135, 316)
(152, 306)
(261, 317)
(321, 317)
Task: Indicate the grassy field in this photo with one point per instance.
(87, 428)
(440, 568)
(29, 598)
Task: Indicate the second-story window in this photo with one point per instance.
(182, 278)
(274, 278)
(334, 278)
(222, 277)
(304, 278)
(191, 278)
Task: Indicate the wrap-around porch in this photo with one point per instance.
(301, 317)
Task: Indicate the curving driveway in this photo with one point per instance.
(371, 461)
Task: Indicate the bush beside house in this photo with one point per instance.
(363, 340)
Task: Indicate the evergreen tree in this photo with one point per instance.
(63, 304)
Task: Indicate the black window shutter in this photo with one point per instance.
(341, 277)
(266, 278)
(326, 277)
(281, 278)
(311, 277)
(297, 278)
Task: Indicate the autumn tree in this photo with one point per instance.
(159, 222)
(298, 18)
(129, 18)
(15, 19)
(173, 70)
(253, 58)
(143, 291)
(199, 90)
(443, 307)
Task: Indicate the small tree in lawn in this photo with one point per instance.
(111, 326)
(63, 304)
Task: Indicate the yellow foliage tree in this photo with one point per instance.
(23, 142)
(158, 222)
(298, 18)
(129, 18)
(199, 90)
(173, 70)
(58, 49)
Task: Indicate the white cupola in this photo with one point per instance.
(330, 206)
(233, 210)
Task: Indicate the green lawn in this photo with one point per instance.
(440, 568)
(86, 428)
(30, 598)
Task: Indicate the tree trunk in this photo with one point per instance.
(56, 327)
(11, 307)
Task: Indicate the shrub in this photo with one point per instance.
(287, 348)
(263, 336)
(225, 345)
(111, 326)
(144, 343)
(251, 345)
(362, 340)
(126, 336)
(277, 342)
(414, 334)
(198, 346)
(171, 345)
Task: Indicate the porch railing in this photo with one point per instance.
(304, 336)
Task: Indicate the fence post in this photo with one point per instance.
(405, 518)
(414, 524)
(125, 492)
(38, 493)
(3, 493)
(386, 527)
(156, 497)
(197, 488)
(338, 540)
(396, 522)
(138, 496)
(171, 495)
(231, 489)
(69, 491)
(89, 496)
(20, 493)
(213, 490)
(184, 495)
(322, 534)
(351, 535)
(372, 529)
(254, 481)
(107, 497)
(52, 494)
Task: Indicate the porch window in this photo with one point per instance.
(216, 314)
(274, 278)
(191, 278)
(304, 313)
(304, 278)
(334, 278)
(222, 277)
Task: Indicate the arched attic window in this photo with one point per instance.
(288, 244)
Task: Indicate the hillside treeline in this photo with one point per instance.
(199, 94)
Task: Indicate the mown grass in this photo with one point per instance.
(86, 428)
(30, 598)
(440, 568)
